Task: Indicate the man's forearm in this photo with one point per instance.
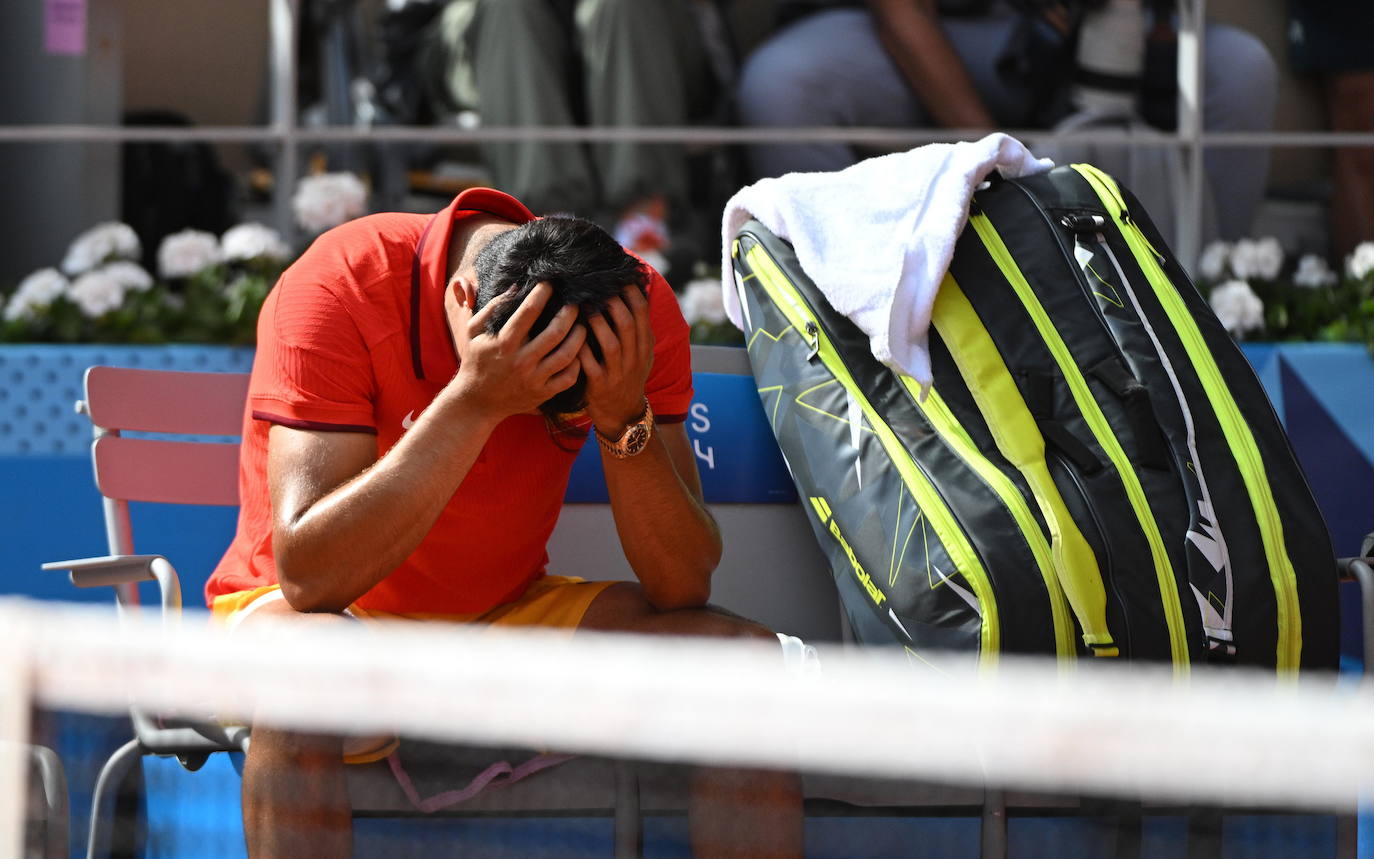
(910, 32)
(670, 539)
(332, 551)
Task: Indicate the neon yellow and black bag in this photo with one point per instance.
(1095, 471)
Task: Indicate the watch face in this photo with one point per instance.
(635, 439)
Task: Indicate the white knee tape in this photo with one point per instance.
(798, 656)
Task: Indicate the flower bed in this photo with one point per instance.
(1258, 294)
(207, 288)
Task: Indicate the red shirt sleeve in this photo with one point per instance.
(669, 387)
(313, 367)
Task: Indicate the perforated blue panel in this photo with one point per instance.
(40, 384)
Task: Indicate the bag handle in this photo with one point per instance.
(1140, 412)
(1037, 389)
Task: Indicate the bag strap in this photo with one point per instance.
(1037, 388)
(1140, 412)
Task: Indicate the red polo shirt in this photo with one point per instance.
(353, 338)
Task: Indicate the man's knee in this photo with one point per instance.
(301, 748)
(809, 73)
(778, 86)
(624, 608)
(717, 623)
(1242, 81)
(274, 609)
(276, 619)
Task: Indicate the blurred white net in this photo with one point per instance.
(1219, 739)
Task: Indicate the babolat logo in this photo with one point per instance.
(823, 511)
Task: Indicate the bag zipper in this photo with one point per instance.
(1077, 481)
(1219, 638)
(1079, 277)
(1087, 223)
(1238, 435)
(1097, 422)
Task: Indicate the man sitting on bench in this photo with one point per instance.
(421, 387)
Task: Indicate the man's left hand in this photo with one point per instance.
(615, 385)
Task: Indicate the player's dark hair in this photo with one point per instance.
(583, 264)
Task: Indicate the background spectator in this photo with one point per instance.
(1330, 38)
(564, 62)
(915, 63)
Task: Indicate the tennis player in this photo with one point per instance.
(421, 387)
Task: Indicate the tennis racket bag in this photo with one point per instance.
(1095, 471)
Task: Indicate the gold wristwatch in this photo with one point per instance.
(634, 439)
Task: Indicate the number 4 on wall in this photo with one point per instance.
(701, 423)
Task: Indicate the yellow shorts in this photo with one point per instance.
(555, 602)
(558, 602)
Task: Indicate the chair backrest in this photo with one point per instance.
(168, 470)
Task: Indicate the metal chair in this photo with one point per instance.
(46, 817)
(160, 470)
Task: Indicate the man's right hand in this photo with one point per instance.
(342, 521)
(509, 372)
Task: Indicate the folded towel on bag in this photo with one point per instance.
(877, 237)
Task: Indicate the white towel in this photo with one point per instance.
(877, 237)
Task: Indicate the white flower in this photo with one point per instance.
(1360, 263)
(1237, 306)
(1257, 258)
(1212, 264)
(130, 275)
(187, 252)
(702, 302)
(36, 292)
(325, 201)
(1270, 257)
(250, 241)
(110, 240)
(44, 285)
(21, 307)
(1313, 272)
(96, 293)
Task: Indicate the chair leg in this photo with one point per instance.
(57, 815)
(102, 801)
(994, 833)
(1204, 833)
(1347, 835)
(1361, 571)
(1130, 829)
(629, 823)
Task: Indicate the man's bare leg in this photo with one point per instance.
(731, 812)
(295, 798)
